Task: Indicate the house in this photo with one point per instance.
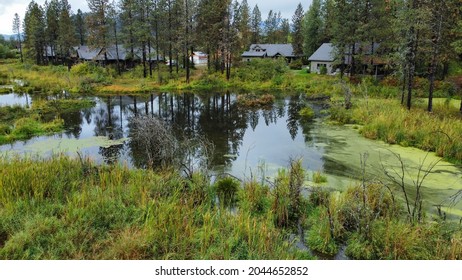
(113, 53)
(199, 58)
(324, 56)
(259, 51)
(366, 63)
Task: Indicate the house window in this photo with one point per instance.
(319, 66)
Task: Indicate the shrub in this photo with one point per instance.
(307, 113)
(319, 178)
(296, 64)
(226, 189)
(323, 70)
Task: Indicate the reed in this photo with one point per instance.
(62, 208)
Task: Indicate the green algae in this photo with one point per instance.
(342, 158)
(71, 145)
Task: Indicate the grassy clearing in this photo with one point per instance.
(388, 121)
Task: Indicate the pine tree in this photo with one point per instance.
(244, 25)
(17, 32)
(98, 25)
(52, 11)
(34, 33)
(297, 32)
(255, 25)
(79, 23)
(65, 39)
(312, 28)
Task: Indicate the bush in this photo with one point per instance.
(260, 70)
(323, 70)
(296, 64)
(307, 113)
(226, 189)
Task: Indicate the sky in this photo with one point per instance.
(9, 7)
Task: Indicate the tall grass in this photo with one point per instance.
(61, 208)
(386, 120)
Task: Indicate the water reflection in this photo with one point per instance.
(241, 136)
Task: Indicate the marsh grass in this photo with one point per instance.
(386, 120)
(62, 208)
(44, 117)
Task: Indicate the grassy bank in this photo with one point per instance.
(44, 117)
(88, 78)
(369, 223)
(387, 120)
(77, 210)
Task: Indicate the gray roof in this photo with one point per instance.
(87, 53)
(253, 54)
(324, 53)
(270, 50)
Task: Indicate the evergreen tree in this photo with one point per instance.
(52, 11)
(34, 33)
(297, 32)
(65, 39)
(255, 25)
(98, 24)
(244, 25)
(312, 28)
(79, 23)
(17, 32)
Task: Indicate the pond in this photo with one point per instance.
(248, 142)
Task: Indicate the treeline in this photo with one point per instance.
(170, 29)
(411, 37)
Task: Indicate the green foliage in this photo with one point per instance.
(5, 52)
(307, 113)
(323, 70)
(287, 203)
(319, 178)
(296, 64)
(388, 121)
(78, 210)
(262, 70)
(227, 189)
(27, 127)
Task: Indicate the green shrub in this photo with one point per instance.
(307, 113)
(319, 178)
(323, 70)
(296, 64)
(226, 189)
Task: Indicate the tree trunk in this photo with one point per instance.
(434, 63)
(117, 49)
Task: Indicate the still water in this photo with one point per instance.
(248, 142)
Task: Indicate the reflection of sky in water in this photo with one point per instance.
(15, 99)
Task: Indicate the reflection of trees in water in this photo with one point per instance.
(295, 105)
(216, 117)
(72, 124)
(107, 124)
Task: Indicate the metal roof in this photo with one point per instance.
(270, 50)
(324, 53)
